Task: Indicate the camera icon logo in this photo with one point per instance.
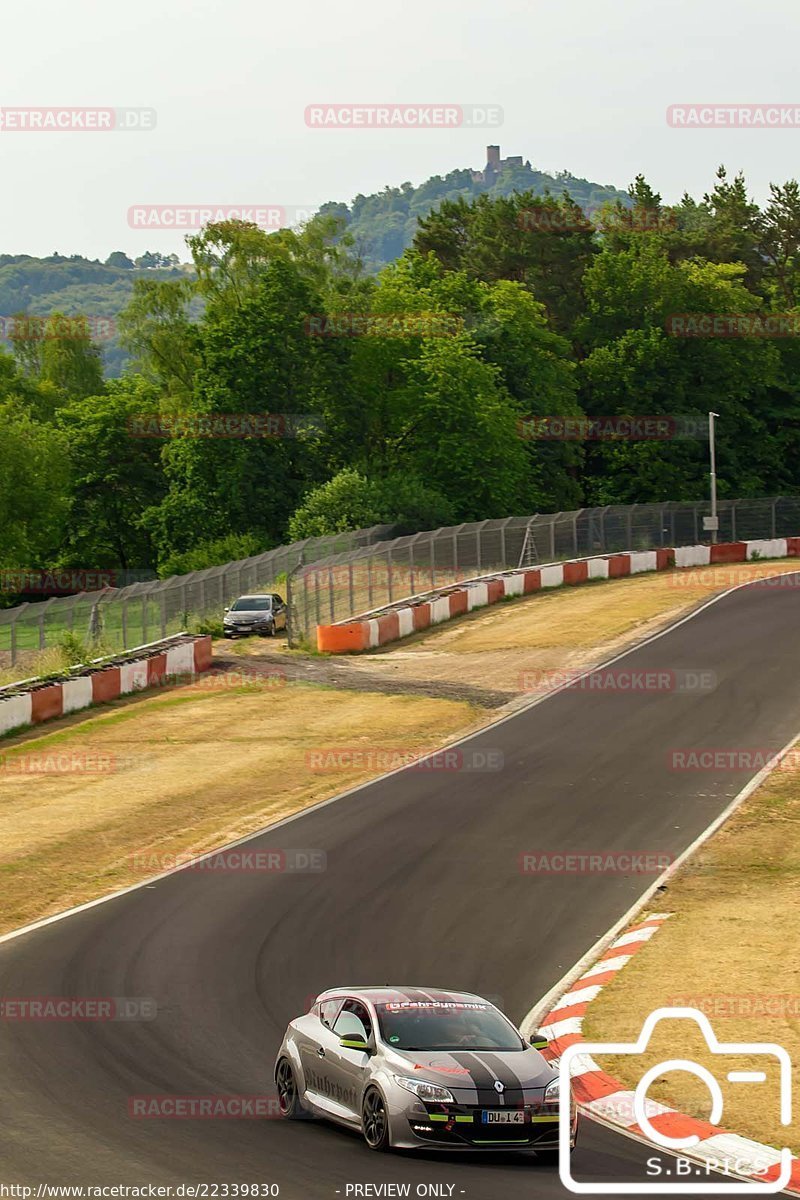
(642, 1109)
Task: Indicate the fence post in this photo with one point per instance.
(350, 586)
(772, 515)
(369, 582)
(125, 623)
(389, 572)
(14, 620)
(331, 597)
(733, 520)
(553, 536)
(144, 619)
(433, 561)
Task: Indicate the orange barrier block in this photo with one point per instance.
(343, 639)
(533, 581)
(458, 602)
(202, 653)
(618, 565)
(422, 616)
(729, 552)
(665, 559)
(388, 628)
(793, 547)
(495, 590)
(156, 669)
(576, 572)
(46, 702)
(106, 684)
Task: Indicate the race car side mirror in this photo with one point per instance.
(538, 1042)
(354, 1041)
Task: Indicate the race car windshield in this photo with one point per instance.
(251, 604)
(441, 1026)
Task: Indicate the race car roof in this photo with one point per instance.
(408, 996)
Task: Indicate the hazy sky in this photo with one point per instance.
(584, 85)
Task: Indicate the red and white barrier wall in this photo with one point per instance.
(603, 1097)
(417, 613)
(41, 702)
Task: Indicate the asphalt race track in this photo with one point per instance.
(422, 887)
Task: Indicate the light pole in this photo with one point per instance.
(712, 450)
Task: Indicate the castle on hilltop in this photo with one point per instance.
(495, 164)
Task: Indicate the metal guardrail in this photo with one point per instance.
(348, 584)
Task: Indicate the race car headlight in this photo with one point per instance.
(551, 1096)
(424, 1090)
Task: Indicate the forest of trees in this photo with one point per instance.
(405, 389)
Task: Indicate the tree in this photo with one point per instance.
(635, 367)
(539, 241)
(58, 351)
(34, 481)
(351, 501)
(117, 476)
(119, 259)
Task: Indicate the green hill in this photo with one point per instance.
(382, 225)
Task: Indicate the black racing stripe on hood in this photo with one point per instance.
(483, 1077)
(503, 1070)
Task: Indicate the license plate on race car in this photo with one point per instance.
(503, 1116)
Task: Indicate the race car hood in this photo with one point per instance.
(471, 1075)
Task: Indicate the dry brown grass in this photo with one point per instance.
(567, 627)
(731, 949)
(182, 772)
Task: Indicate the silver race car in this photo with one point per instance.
(414, 1067)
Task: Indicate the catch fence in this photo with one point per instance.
(124, 618)
(361, 580)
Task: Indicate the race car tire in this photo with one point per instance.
(375, 1121)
